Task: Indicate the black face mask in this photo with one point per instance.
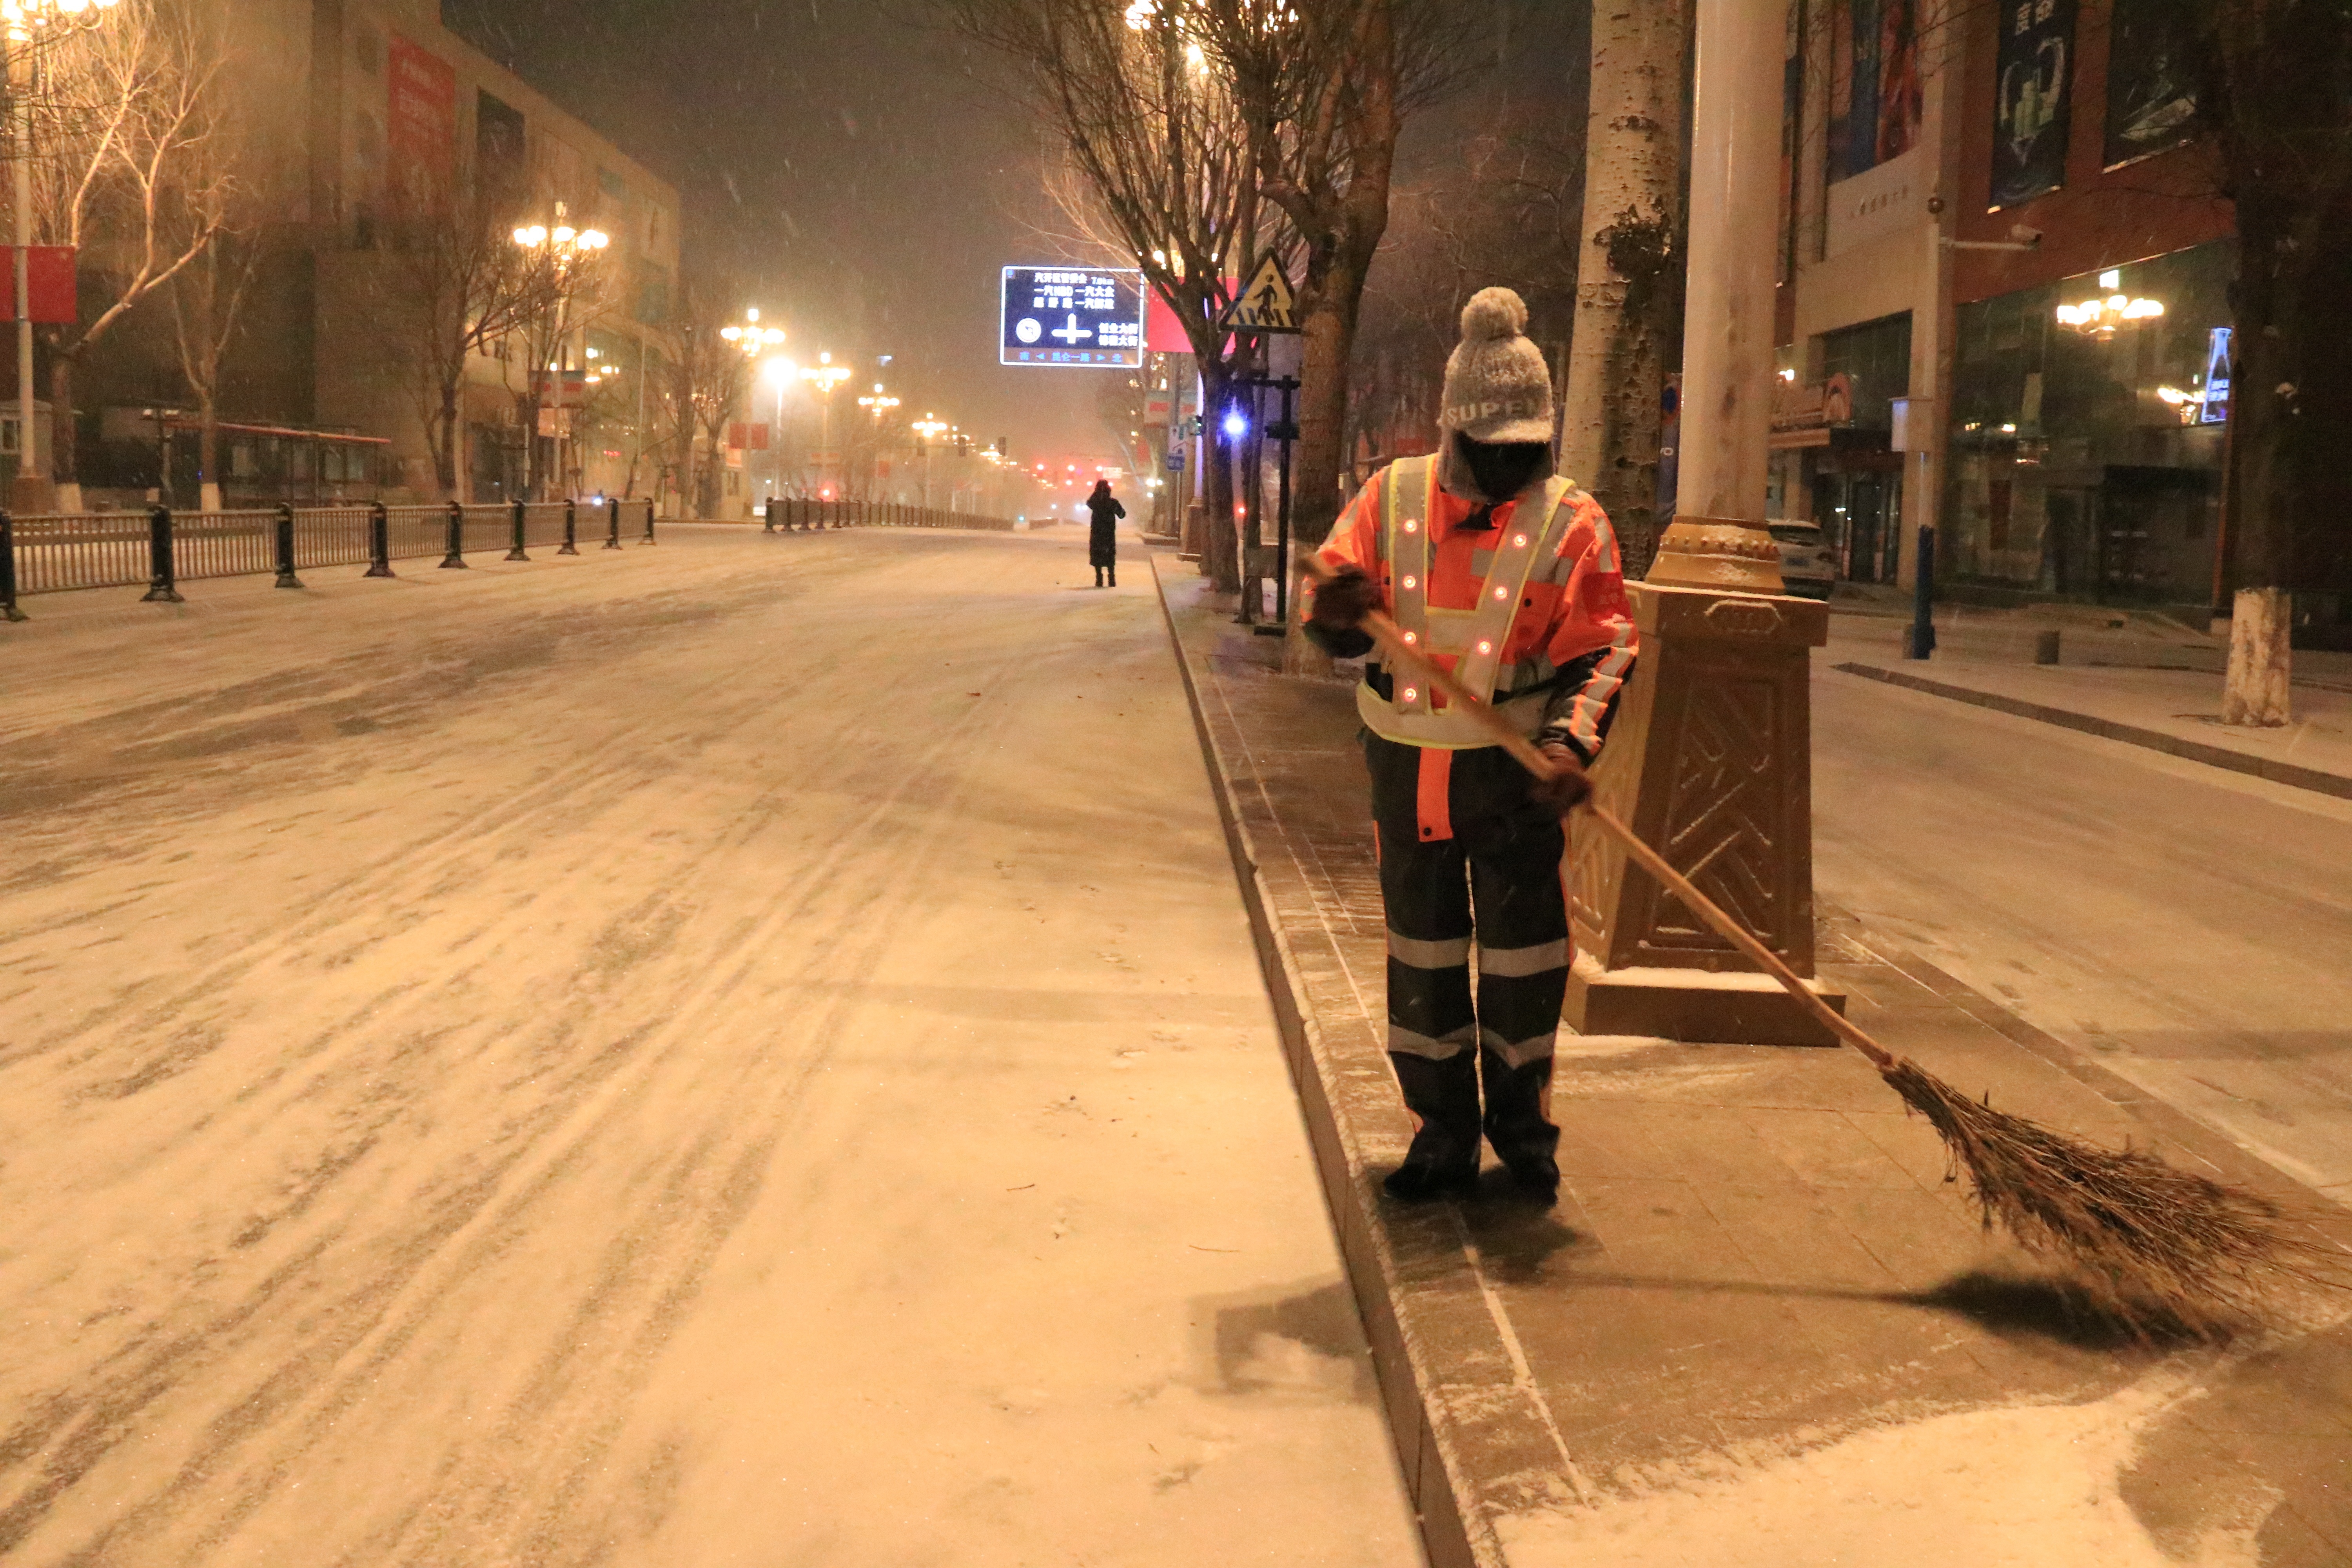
(1502, 469)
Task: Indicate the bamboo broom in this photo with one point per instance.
(2152, 1245)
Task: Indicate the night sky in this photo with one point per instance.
(857, 179)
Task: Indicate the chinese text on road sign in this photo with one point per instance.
(1086, 316)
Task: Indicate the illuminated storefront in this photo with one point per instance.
(2088, 431)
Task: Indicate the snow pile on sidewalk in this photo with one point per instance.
(2031, 1485)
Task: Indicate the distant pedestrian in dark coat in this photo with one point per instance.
(1102, 539)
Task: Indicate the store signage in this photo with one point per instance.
(1802, 414)
(2034, 74)
(1072, 317)
(2213, 402)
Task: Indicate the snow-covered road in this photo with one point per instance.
(742, 1052)
(2189, 926)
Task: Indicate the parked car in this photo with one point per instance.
(1808, 565)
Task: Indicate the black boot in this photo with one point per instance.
(1444, 1099)
(1114, 576)
(1098, 576)
(1518, 1123)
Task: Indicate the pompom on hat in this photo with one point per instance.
(1497, 387)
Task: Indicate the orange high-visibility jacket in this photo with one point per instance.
(1530, 612)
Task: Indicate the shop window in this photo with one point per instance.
(2082, 463)
(1875, 360)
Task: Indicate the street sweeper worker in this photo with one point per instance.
(1509, 576)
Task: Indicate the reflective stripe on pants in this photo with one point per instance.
(1495, 881)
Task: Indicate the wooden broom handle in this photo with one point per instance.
(1392, 640)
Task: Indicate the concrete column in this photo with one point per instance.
(1709, 760)
(1717, 540)
(1735, 192)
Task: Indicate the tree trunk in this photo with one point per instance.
(1321, 457)
(63, 468)
(1624, 300)
(1220, 550)
(2255, 687)
(208, 491)
(445, 450)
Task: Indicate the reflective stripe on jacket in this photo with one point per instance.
(1531, 613)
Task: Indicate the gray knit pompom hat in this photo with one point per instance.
(1497, 387)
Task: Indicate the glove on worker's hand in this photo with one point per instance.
(1343, 599)
(1569, 788)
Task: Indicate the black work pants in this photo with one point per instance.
(1467, 858)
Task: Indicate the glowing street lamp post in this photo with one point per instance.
(930, 427)
(567, 249)
(753, 339)
(778, 374)
(879, 405)
(825, 375)
(22, 17)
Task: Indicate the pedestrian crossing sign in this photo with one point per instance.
(1266, 304)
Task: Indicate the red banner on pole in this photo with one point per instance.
(49, 281)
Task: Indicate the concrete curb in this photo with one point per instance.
(2315, 779)
(1388, 1255)
(1473, 1439)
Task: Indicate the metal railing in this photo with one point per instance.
(807, 514)
(62, 551)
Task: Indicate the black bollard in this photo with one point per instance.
(612, 540)
(162, 586)
(649, 524)
(571, 530)
(457, 557)
(8, 610)
(379, 541)
(286, 578)
(516, 553)
(1921, 642)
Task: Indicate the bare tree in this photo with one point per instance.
(457, 285)
(217, 187)
(566, 295)
(698, 387)
(1323, 92)
(207, 298)
(1160, 168)
(128, 107)
(1626, 304)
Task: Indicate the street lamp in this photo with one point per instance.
(567, 250)
(825, 375)
(878, 403)
(750, 336)
(930, 427)
(779, 373)
(23, 21)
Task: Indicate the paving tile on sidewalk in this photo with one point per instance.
(1758, 1272)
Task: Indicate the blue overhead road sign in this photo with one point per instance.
(1081, 317)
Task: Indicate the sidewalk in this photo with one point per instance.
(2172, 710)
(1759, 1328)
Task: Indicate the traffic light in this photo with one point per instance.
(1003, 448)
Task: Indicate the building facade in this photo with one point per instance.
(401, 109)
(357, 107)
(2005, 303)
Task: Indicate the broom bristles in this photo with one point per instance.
(2155, 1247)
